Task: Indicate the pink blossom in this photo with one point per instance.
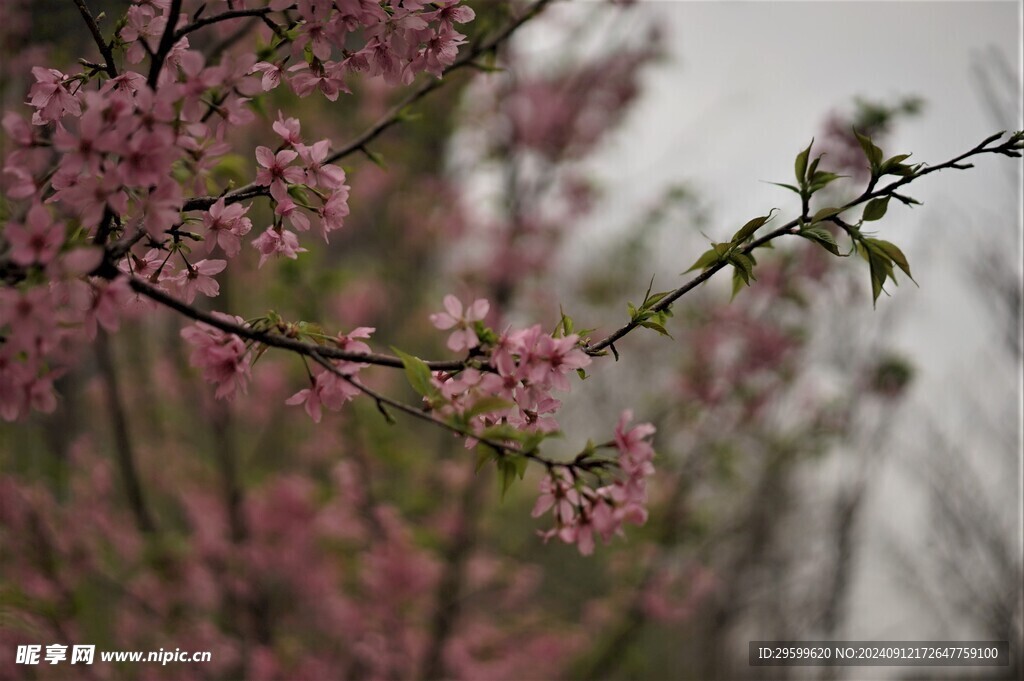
(51, 97)
(334, 211)
(142, 28)
(226, 225)
(304, 80)
(109, 301)
(288, 209)
(220, 355)
(277, 242)
(198, 278)
(328, 390)
(38, 240)
(288, 129)
(318, 173)
(464, 337)
(271, 74)
(275, 171)
(91, 195)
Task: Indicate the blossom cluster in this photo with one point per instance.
(220, 355)
(290, 186)
(527, 364)
(115, 151)
(332, 388)
(580, 510)
(396, 42)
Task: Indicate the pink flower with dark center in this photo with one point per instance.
(38, 240)
(276, 172)
(318, 173)
(464, 337)
(277, 242)
(290, 210)
(199, 279)
(226, 225)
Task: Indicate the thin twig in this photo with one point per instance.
(94, 29)
(217, 18)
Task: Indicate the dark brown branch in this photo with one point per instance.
(276, 340)
(167, 41)
(217, 18)
(122, 441)
(104, 46)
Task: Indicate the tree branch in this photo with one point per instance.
(122, 441)
(277, 340)
(104, 46)
(166, 43)
(1010, 147)
(217, 18)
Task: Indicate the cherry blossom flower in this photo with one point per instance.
(288, 129)
(276, 172)
(38, 240)
(464, 337)
(334, 211)
(318, 173)
(277, 242)
(271, 74)
(226, 225)
(198, 278)
(51, 97)
(221, 356)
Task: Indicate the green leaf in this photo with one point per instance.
(656, 327)
(484, 453)
(503, 432)
(418, 374)
(826, 213)
(872, 152)
(747, 230)
(376, 158)
(822, 237)
(821, 179)
(876, 208)
(739, 280)
(895, 254)
(707, 259)
(745, 264)
(895, 166)
(510, 467)
(565, 324)
(655, 298)
(800, 164)
(486, 405)
(786, 186)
